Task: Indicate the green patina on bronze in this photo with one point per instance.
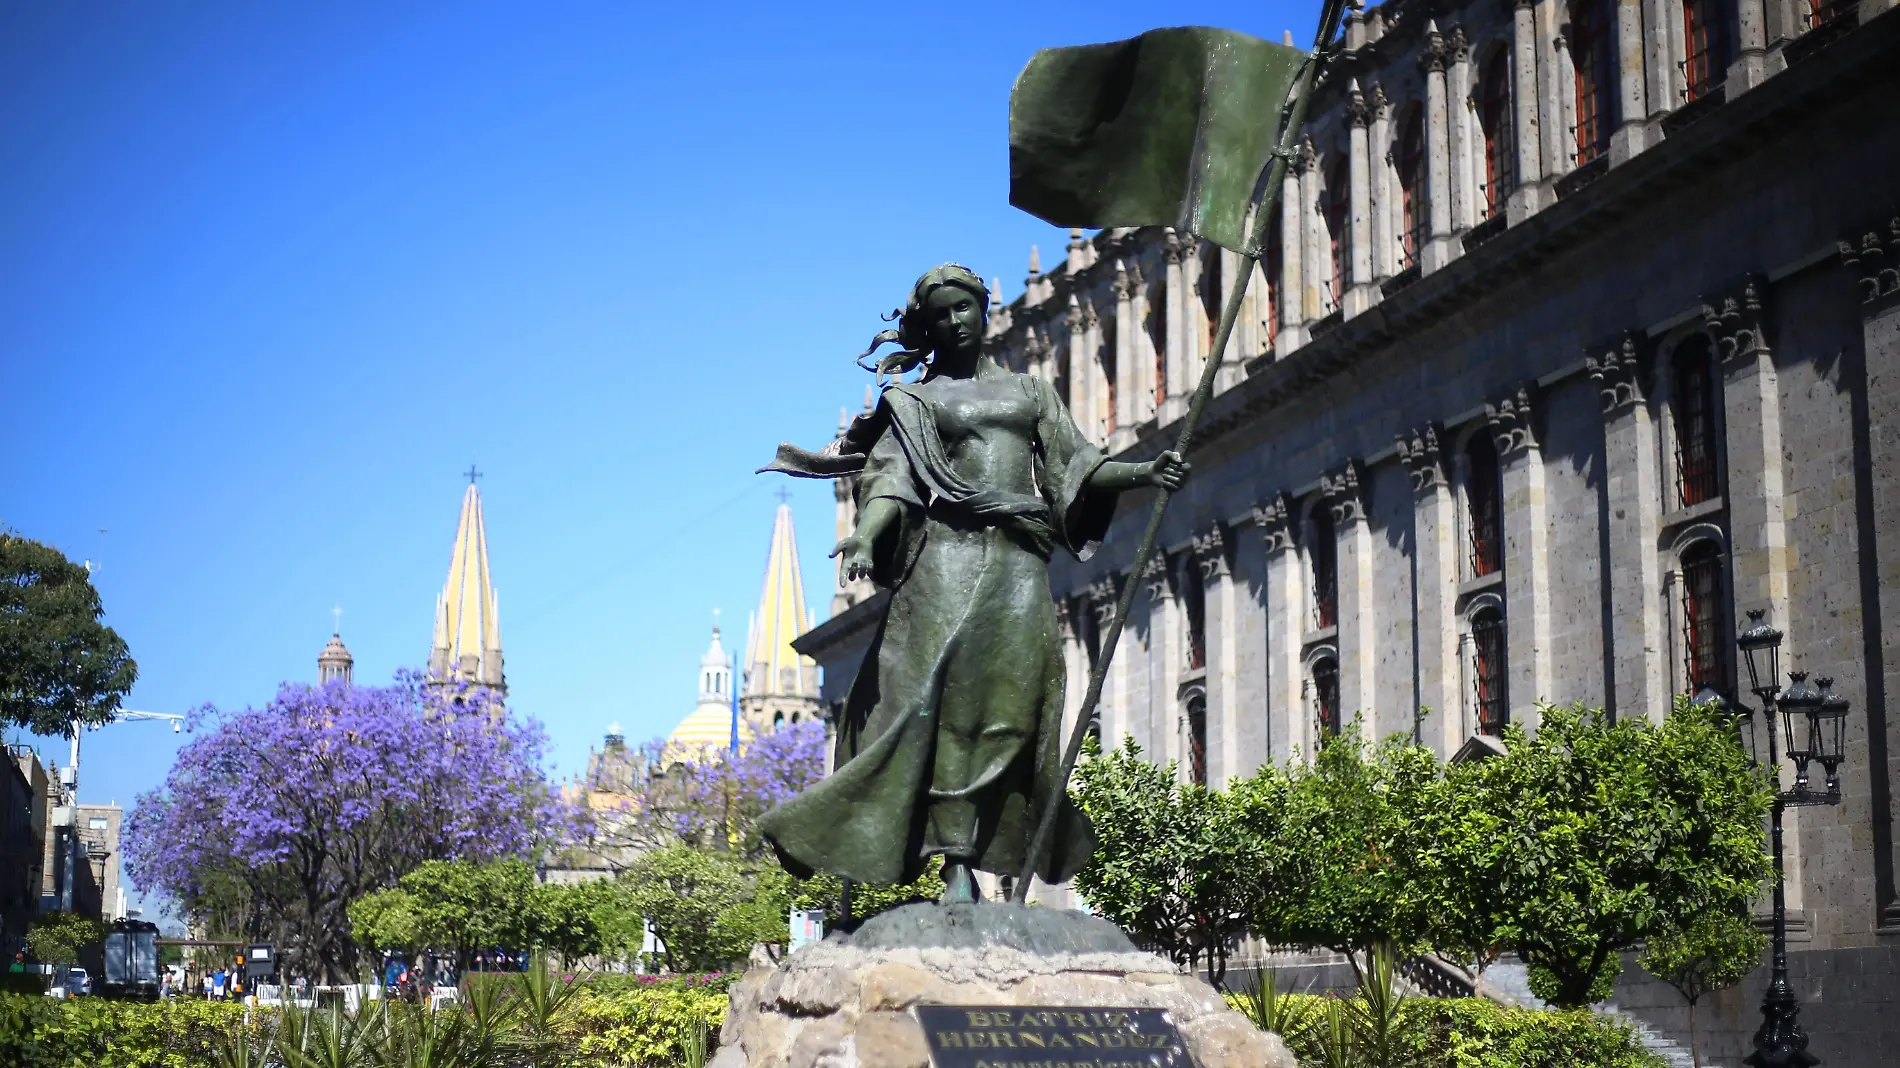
(1174, 127)
(968, 479)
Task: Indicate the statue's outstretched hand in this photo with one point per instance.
(855, 550)
(1169, 471)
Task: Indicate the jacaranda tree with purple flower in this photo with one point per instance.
(328, 793)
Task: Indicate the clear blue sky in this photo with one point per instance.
(275, 273)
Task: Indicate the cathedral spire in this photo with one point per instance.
(467, 643)
(780, 683)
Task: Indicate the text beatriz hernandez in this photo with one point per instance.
(1076, 1037)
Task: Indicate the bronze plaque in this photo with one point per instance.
(1054, 1036)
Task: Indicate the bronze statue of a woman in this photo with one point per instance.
(968, 479)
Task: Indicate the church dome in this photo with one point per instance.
(335, 662)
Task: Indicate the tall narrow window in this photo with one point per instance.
(1338, 210)
(1413, 216)
(1705, 38)
(1106, 404)
(1324, 554)
(1820, 11)
(1592, 44)
(1326, 696)
(1158, 334)
(1492, 691)
(1194, 600)
(1704, 633)
(1197, 739)
(1211, 292)
(1271, 293)
(1693, 408)
(1494, 115)
(1484, 491)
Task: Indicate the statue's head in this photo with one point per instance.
(946, 312)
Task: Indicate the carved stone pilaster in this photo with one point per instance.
(1172, 246)
(1510, 419)
(1305, 158)
(1356, 109)
(1343, 496)
(1458, 50)
(1737, 321)
(1101, 596)
(1124, 288)
(1156, 576)
(1065, 618)
(1275, 517)
(1210, 554)
(1433, 57)
(1875, 261)
(1618, 374)
(1089, 320)
(1423, 460)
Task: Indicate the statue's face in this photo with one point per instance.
(954, 319)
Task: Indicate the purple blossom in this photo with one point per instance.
(290, 812)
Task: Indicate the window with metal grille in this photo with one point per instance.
(1693, 409)
(1158, 334)
(1326, 696)
(1494, 115)
(1705, 39)
(1324, 555)
(1197, 739)
(1484, 491)
(1592, 55)
(1488, 667)
(1820, 11)
(1704, 631)
(1194, 600)
(1414, 217)
(1211, 292)
(1338, 211)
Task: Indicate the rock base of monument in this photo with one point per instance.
(847, 1002)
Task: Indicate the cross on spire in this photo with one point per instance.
(784, 495)
(472, 474)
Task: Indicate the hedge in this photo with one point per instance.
(1479, 1033)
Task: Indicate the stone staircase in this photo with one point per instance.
(1509, 981)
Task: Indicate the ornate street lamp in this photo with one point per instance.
(1813, 726)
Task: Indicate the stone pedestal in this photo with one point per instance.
(845, 1002)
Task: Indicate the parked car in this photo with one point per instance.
(78, 983)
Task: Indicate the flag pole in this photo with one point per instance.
(1294, 117)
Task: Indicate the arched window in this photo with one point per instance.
(1495, 117)
(1704, 616)
(1338, 209)
(1211, 292)
(1484, 513)
(1593, 55)
(1698, 471)
(1197, 738)
(1323, 552)
(1490, 687)
(1414, 217)
(1705, 40)
(1326, 696)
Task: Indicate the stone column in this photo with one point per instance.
(1439, 245)
(1379, 151)
(1524, 199)
(1527, 563)
(1292, 251)
(1435, 556)
(1464, 188)
(1358, 643)
(1751, 52)
(1660, 18)
(1316, 258)
(1555, 90)
(1112, 710)
(1210, 567)
(1164, 660)
(1360, 295)
(1081, 404)
(1287, 727)
(1097, 426)
(1179, 385)
(1639, 635)
(1075, 664)
(1248, 558)
(1632, 131)
(1125, 382)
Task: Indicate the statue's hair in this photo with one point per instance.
(910, 335)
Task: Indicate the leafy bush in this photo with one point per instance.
(633, 1026)
(1463, 1033)
(42, 1032)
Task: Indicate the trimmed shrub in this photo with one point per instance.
(41, 1032)
(646, 1027)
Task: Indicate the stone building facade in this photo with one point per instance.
(1578, 340)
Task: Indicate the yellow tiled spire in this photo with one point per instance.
(773, 666)
(467, 619)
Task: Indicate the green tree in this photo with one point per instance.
(57, 937)
(701, 905)
(1175, 865)
(451, 905)
(1712, 951)
(1345, 835)
(1613, 832)
(59, 665)
(577, 920)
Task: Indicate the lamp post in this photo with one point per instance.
(1813, 722)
